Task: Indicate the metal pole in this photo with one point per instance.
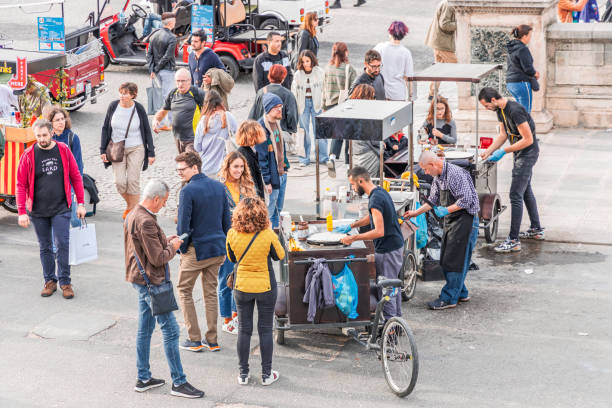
(318, 200)
(411, 138)
(381, 157)
(350, 142)
(476, 148)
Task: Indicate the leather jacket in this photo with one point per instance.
(160, 54)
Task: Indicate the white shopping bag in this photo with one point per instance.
(83, 244)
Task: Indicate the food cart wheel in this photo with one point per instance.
(279, 335)
(490, 232)
(10, 203)
(409, 270)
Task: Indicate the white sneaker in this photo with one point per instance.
(231, 327)
(269, 380)
(243, 380)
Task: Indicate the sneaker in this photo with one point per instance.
(533, 233)
(186, 390)
(509, 245)
(439, 304)
(359, 3)
(336, 5)
(211, 346)
(269, 379)
(464, 299)
(231, 327)
(243, 379)
(67, 291)
(49, 289)
(304, 164)
(142, 386)
(331, 167)
(191, 345)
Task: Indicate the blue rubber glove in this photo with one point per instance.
(343, 229)
(441, 211)
(497, 155)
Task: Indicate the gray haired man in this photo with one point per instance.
(147, 246)
(183, 101)
(457, 202)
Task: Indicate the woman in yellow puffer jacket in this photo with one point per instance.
(254, 282)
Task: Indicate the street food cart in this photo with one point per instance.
(484, 173)
(394, 343)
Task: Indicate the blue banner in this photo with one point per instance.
(51, 36)
(202, 19)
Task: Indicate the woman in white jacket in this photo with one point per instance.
(307, 86)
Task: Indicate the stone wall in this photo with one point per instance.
(579, 77)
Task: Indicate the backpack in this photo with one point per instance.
(198, 110)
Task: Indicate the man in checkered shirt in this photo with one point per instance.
(456, 201)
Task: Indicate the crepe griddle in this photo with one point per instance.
(325, 238)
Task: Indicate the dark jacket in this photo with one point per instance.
(251, 157)
(520, 62)
(143, 235)
(378, 82)
(70, 139)
(145, 132)
(305, 41)
(392, 141)
(262, 65)
(198, 66)
(289, 122)
(267, 158)
(203, 211)
(160, 54)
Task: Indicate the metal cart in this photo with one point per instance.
(484, 173)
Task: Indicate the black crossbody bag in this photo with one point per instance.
(231, 278)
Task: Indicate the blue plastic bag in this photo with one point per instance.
(421, 234)
(346, 292)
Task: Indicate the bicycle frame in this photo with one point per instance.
(371, 344)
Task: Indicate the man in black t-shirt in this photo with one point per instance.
(385, 232)
(45, 175)
(516, 126)
(264, 61)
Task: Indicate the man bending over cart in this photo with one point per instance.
(385, 232)
(457, 202)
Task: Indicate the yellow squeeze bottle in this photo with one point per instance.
(330, 222)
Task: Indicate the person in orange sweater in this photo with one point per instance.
(566, 7)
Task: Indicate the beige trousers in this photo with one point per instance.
(445, 57)
(127, 172)
(189, 270)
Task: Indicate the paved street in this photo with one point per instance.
(535, 334)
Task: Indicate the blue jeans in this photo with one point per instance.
(276, 201)
(520, 191)
(74, 220)
(227, 304)
(521, 91)
(44, 227)
(170, 332)
(455, 281)
(306, 118)
(150, 22)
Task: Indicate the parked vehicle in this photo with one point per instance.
(236, 34)
(278, 14)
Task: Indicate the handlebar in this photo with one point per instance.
(383, 282)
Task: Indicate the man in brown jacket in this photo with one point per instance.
(144, 240)
(441, 37)
(566, 7)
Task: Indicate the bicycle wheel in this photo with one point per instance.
(409, 269)
(400, 359)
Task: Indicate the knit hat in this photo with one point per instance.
(270, 101)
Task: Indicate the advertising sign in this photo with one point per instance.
(51, 36)
(202, 19)
(14, 74)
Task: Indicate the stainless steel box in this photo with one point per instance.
(358, 119)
